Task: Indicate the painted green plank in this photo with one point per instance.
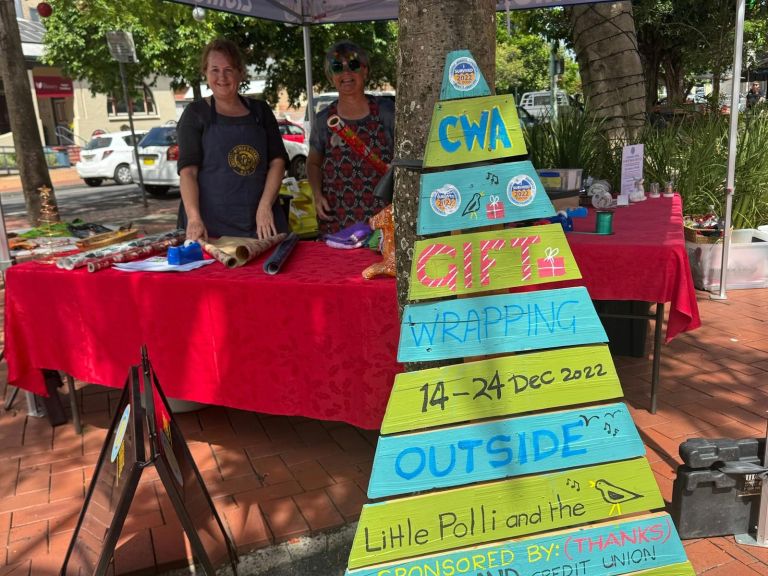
(490, 260)
(462, 77)
(498, 449)
(500, 386)
(474, 130)
(682, 569)
(501, 510)
(497, 324)
(609, 549)
(481, 196)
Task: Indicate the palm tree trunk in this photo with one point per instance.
(612, 75)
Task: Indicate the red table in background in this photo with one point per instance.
(314, 340)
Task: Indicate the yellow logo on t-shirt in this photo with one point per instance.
(243, 159)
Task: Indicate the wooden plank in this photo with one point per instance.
(501, 510)
(507, 448)
(462, 77)
(500, 386)
(474, 130)
(610, 549)
(490, 260)
(481, 196)
(498, 324)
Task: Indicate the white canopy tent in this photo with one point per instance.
(308, 12)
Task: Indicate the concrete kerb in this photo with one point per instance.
(323, 554)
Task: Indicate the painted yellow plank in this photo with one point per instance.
(480, 514)
(473, 130)
(500, 387)
(490, 260)
(683, 569)
(648, 542)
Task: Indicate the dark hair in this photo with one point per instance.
(347, 50)
(228, 49)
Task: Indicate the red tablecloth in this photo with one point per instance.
(315, 340)
(644, 259)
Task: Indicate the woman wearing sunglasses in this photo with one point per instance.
(344, 170)
(231, 156)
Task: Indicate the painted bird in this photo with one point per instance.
(614, 495)
(473, 206)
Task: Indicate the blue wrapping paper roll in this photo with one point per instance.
(280, 255)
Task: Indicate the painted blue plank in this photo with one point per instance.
(481, 196)
(502, 449)
(609, 549)
(498, 324)
(462, 77)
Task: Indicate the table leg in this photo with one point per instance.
(73, 404)
(656, 353)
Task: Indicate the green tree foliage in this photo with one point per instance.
(169, 42)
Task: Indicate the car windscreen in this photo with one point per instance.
(98, 142)
(128, 139)
(159, 137)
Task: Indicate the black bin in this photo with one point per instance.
(717, 489)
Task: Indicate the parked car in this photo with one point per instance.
(539, 104)
(290, 131)
(159, 154)
(107, 156)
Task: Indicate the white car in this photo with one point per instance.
(159, 154)
(107, 157)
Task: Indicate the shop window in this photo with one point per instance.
(142, 104)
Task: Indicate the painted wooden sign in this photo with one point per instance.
(609, 549)
(481, 196)
(492, 260)
(485, 513)
(462, 77)
(503, 449)
(474, 130)
(500, 386)
(498, 324)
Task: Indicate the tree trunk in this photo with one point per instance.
(612, 74)
(427, 32)
(30, 158)
(674, 79)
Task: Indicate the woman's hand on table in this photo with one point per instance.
(196, 230)
(265, 222)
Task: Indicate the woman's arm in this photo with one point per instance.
(190, 196)
(265, 219)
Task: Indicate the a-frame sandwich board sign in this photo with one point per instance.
(113, 486)
(463, 488)
(143, 415)
(209, 537)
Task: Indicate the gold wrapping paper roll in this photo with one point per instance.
(234, 252)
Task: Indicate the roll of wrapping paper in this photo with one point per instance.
(275, 261)
(133, 254)
(245, 249)
(83, 258)
(353, 140)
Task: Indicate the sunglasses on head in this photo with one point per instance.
(353, 65)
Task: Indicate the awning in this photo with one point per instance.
(53, 87)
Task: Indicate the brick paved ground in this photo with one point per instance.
(275, 478)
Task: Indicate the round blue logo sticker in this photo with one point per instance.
(446, 200)
(521, 190)
(463, 74)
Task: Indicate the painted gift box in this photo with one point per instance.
(551, 265)
(494, 209)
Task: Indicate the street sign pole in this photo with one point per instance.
(122, 49)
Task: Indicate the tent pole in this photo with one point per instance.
(308, 75)
(733, 135)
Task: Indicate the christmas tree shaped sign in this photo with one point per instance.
(514, 465)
